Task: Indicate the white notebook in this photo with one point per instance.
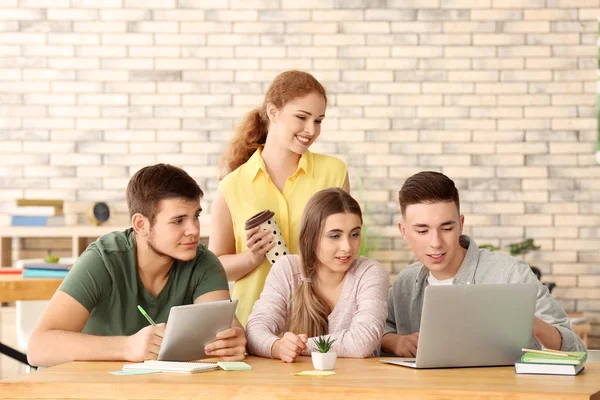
(172, 366)
(547, 369)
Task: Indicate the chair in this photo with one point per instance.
(29, 312)
(538, 274)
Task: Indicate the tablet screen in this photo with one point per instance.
(191, 327)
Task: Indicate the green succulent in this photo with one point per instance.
(323, 343)
(51, 259)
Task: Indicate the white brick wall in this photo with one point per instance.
(498, 94)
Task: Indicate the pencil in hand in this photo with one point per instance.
(145, 314)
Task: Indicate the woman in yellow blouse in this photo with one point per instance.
(268, 166)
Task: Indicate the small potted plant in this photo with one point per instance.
(322, 359)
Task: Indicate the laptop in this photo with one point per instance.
(474, 325)
(193, 326)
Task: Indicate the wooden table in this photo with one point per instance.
(14, 287)
(269, 379)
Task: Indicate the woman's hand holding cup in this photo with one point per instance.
(264, 238)
(259, 242)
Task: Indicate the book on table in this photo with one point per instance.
(547, 369)
(44, 273)
(187, 367)
(43, 269)
(546, 358)
(551, 364)
(48, 266)
(173, 366)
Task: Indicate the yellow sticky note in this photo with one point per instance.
(314, 373)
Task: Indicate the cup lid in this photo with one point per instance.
(259, 218)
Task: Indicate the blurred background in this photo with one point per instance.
(500, 95)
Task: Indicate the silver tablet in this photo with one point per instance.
(191, 327)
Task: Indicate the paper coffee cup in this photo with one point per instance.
(266, 220)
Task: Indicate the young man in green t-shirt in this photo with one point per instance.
(158, 263)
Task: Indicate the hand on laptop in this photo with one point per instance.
(289, 347)
(230, 345)
(145, 344)
(406, 345)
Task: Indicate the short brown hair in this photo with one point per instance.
(150, 185)
(428, 187)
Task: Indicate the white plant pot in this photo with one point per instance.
(323, 361)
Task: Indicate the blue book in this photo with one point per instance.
(43, 273)
(49, 266)
(29, 220)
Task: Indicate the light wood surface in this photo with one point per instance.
(354, 379)
(15, 287)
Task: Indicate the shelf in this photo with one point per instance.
(78, 235)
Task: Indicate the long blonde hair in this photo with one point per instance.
(309, 310)
(252, 132)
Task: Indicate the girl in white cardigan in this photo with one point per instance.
(326, 290)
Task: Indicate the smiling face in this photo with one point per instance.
(433, 231)
(339, 242)
(176, 229)
(298, 124)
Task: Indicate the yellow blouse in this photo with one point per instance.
(249, 190)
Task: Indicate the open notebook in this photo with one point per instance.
(172, 366)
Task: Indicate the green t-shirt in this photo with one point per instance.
(106, 282)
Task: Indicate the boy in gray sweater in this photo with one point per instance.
(432, 225)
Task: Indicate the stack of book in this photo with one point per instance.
(32, 212)
(550, 362)
(46, 270)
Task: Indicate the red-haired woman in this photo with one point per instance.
(268, 166)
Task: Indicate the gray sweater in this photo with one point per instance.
(405, 299)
